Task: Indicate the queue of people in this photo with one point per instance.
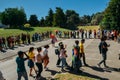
(11, 41)
(33, 60)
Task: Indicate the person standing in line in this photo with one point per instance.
(45, 56)
(39, 59)
(63, 56)
(31, 60)
(59, 48)
(76, 57)
(21, 71)
(82, 53)
(104, 49)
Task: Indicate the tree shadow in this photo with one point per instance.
(27, 29)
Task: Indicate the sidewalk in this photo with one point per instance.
(92, 58)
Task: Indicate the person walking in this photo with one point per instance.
(39, 59)
(21, 71)
(104, 48)
(31, 60)
(76, 62)
(45, 56)
(82, 53)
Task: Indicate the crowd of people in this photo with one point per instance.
(26, 39)
(41, 59)
(33, 60)
(11, 41)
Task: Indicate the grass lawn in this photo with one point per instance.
(89, 27)
(9, 32)
(69, 76)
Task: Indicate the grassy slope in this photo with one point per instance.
(89, 27)
(8, 32)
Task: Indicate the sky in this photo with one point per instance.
(41, 7)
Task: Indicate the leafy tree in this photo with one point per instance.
(42, 22)
(111, 18)
(33, 21)
(59, 18)
(97, 18)
(49, 18)
(85, 20)
(0, 17)
(13, 17)
(72, 19)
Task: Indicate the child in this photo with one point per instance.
(39, 59)
(46, 58)
(31, 60)
(21, 71)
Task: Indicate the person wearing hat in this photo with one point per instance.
(21, 70)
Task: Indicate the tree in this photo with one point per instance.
(49, 18)
(59, 18)
(0, 17)
(42, 22)
(111, 18)
(14, 17)
(33, 21)
(97, 18)
(85, 20)
(72, 19)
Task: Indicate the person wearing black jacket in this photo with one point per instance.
(104, 49)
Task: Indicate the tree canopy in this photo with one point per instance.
(33, 20)
(13, 17)
(111, 18)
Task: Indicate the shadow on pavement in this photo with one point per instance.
(53, 72)
(109, 69)
(88, 75)
(81, 73)
(96, 68)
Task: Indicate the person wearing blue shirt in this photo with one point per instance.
(21, 71)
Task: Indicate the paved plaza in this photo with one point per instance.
(93, 57)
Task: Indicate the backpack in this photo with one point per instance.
(76, 50)
(57, 52)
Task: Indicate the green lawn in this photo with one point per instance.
(9, 32)
(89, 27)
(69, 76)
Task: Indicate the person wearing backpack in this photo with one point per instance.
(58, 53)
(82, 53)
(104, 49)
(76, 62)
